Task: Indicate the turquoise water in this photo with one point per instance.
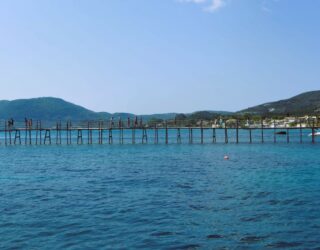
(160, 196)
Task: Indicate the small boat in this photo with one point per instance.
(281, 133)
(316, 133)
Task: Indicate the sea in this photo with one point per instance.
(147, 196)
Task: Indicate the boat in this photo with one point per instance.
(281, 133)
(316, 133)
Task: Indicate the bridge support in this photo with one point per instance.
(17, 137)
(47, 136)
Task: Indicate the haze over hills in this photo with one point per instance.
(55, 109)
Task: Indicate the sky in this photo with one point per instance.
(157, 56)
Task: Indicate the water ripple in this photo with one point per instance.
(160, 197)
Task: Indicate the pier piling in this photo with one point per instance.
(144, 136)
(214, 139)
(237, 131)
(47, 136)
(300, 130)
(190, 135)
(178, 136)
(79, 137)
(167, 134)
(201, 131)
(271, 131)
(312, 132)
(262, 133)
(156, 135)
(274, 132)
(226, 139)
(17, 137)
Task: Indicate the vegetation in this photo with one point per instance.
(304, 104)
(55, 109)
(46, 108)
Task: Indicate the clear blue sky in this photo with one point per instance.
(151, 56)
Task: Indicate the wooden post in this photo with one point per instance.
(190, 135)
(37, 131)
(67, 132)
(274, 132)
(10, 140)
(144, 136)
(17, 136)
(156, 135)
(133, 135)
(99, 132)
(237, 132)
(121, 135)
(250, 135)
(5, 133)
(79, 137)
(47, 136)
(300, 132)
(262, 132)
(58, 133)
(28, 128)
(120, 131)
(70, 132)
(40, 132)
(30, 135)
(167, 133)
(313, 135)
(26, 132)
(214, 139)
(89, 134)
(225, 132)
(110, 140)
(67, 128)
(201, 131)
(288, 136)
(178, 136)
(110, 133)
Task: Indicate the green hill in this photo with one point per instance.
(305, 103)
(45, 108)
(55, 109)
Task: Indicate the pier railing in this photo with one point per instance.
(36, 132)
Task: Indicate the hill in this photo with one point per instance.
(305, 103)
(45, 108)
(55, 109)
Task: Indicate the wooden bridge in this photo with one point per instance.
(109, 132)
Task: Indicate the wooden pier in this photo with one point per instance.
(109, 132)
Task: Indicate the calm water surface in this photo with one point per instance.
(160, 197)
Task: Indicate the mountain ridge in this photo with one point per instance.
(55, 109)
(301, 104)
